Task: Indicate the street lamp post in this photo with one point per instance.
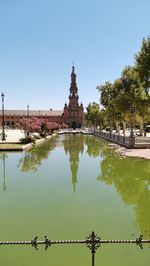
(27, 110)
(3, 122)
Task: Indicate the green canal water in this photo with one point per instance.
(66, 188)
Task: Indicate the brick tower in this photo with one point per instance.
(73, 113)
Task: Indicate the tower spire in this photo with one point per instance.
(73, 67)
(73, 87)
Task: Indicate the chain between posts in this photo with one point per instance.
(92, 242)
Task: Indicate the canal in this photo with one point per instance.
(64, 189)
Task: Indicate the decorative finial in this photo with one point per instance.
(73, 66)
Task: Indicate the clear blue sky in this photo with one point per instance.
(39, 39)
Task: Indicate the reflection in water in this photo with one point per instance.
(3, 158)
(32, 159)
(131, 177)
(95, 146)
(74, 145)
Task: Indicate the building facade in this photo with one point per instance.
(72, 114)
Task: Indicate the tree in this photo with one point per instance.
(106, 93)
(119, 96)
(42, 126)
(132, 88)
(30, 125)
(134, 93)
(142, 63)
(93, 114)
(48, 127)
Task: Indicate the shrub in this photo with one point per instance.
(27, 140)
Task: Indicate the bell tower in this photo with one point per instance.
(73, 97)
(73, 113)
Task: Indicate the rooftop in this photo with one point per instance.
(33, 112)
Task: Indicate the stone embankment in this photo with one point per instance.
(12, 142)
(125, 152)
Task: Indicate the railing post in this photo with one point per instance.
(93, 242)
(93, 258)
(124, 138)
(132, 141)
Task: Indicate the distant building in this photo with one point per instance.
(73, 112)
(72, 115)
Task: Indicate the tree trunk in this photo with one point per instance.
(124, 127)
(141, 126)
(117, 126)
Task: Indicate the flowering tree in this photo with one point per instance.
(48, 127)
(42, 126)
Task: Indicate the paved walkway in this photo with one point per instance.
(141, 153)
(12, 135)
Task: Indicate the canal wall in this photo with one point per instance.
(138, 142)
(12, 146)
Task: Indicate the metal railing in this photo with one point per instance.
(127, 141)
(142, 140)
(92, 242)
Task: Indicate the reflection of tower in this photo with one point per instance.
(4, 179)
(73, 113)
(74, 145)
(74, 159)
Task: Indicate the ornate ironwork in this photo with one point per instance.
(92, 242)
(34, 243)
(47, 243)
(139, 241)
